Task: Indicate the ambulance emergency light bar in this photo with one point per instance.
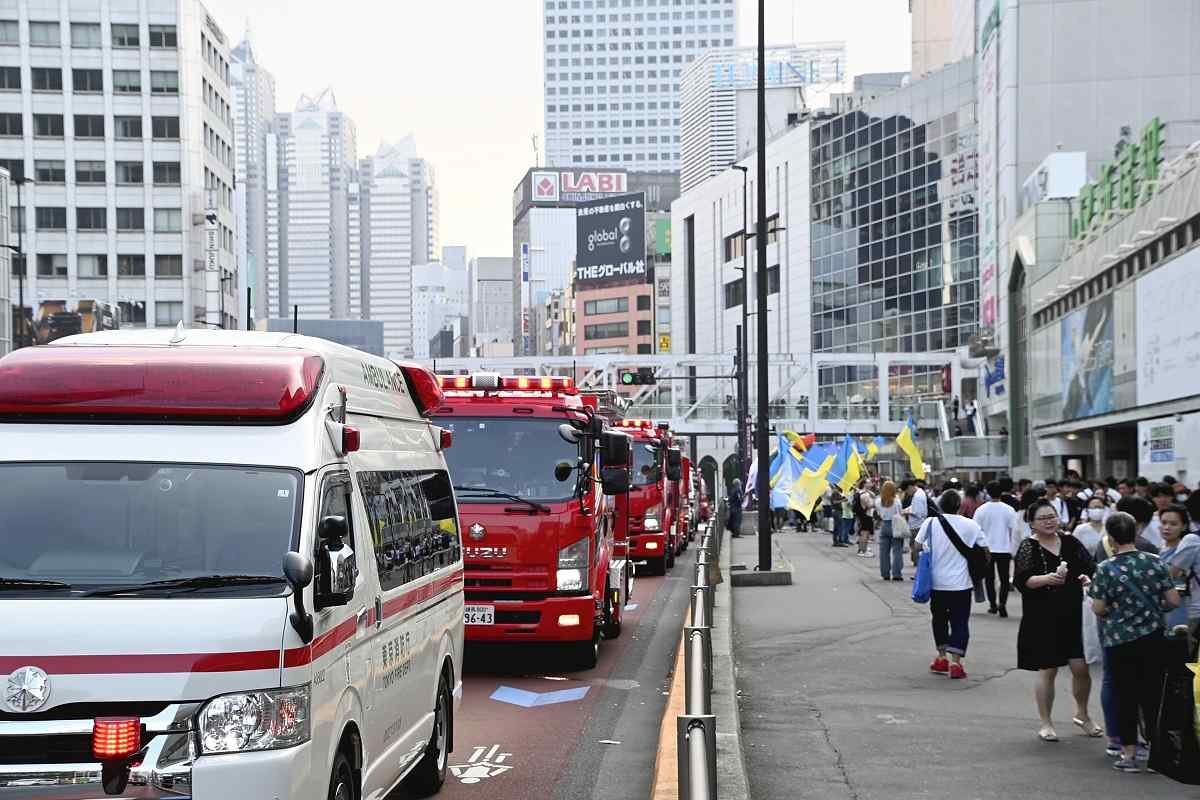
(513, 383)
(208, 384)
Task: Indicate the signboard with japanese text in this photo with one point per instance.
(1124, 184)
(610, 241)
(989, 272)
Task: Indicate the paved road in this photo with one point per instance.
(837, 701)
(601, 741)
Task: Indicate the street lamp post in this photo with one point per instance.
(20, 251)
(760, 241)
(743, 410)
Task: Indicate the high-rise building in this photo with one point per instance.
(719, 101)
(7, 295)
(439, 296)
(392, 222)
(254, 112)
(612, 77)
(489, 283)
(308, 218)
(122, 116)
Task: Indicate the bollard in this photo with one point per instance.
(701, 575)
(698, 674)
(702, 557)
(700, 618)
(697, 747)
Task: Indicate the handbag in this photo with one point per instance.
(976, 556)
(923, 584)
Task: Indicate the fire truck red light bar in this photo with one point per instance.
(635, 423)
(116, 737)
(209, 383)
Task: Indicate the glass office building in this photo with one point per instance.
(894, 233)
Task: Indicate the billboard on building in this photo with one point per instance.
(610, 243)
(1168, 352)
(566, 187)
(1087, 360)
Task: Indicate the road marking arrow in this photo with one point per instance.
(528, 699)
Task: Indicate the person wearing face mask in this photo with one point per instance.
(1091, 530)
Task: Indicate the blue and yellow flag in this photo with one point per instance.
(873, 447)
(807, 491)
(851, 466)
(907, 442)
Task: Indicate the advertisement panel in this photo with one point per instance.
(610, 243)
(989, 273)
(1168, 349)
(1087, 360)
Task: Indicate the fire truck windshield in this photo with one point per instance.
(645, 465)
(515, 456)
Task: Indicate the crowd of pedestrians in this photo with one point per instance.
(1108, 572)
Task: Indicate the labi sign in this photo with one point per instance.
(1124, 184)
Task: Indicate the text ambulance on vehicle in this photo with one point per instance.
(538, 528)
(231, 569)
(651, 516)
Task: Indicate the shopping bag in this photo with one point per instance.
(1093, 651)
(1175, 751)
(923, 585)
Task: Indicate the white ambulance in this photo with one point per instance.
(230, 567)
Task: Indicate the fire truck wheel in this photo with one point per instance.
(657, 566)
(612, 617)
(427, 777)
(585, 654)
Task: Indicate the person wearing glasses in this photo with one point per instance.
(1051, 572)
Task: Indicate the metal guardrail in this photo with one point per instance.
(697, 726)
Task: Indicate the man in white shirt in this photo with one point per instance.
(950, 603)
(915, 512)
(1001, 527)
(1060, 504)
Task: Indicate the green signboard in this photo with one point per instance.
(1124, 184)
(662, 237)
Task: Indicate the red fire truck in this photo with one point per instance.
(533, 466)
(650, 518)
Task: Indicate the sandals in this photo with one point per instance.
(1048, 735)
(1088, 727)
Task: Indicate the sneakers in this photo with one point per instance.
(1126, 765)
(1003, 612)
(993, 610)
(957, 671)
(940, 666)
(869, 553)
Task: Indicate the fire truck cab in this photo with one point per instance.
(650, 518)
(534, 468)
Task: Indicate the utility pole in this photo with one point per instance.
(743, 410)
(760, 242)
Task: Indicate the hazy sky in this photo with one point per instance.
(465, 77)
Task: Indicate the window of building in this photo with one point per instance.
(773, 279)
(10, 31)
(10, 79)
(130, 173)
(49, 126)
(89, 126)
(87, 81)
(163, 36)
(164, 82)
(611, 305)
(85, 34)
(132, 265)
(91, 219)
(127, 81)
(735, 246)
(165, 127)
(44, 34)
(644, 327)
(128, 127)
(93, 266)
(645, 349)
(16, 170)
(133, 314)
(643, 302)
(166, 173)
(89, 172)
(125, 36)
(734, 293)
(51, 218)
(606, 330)
(167, 314)
(168, 220)
(10, 125)
(131, 219)
(168, 266)
(52, 265)
(46, 79)
(50, 171)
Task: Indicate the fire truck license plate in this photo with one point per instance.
(479, 615)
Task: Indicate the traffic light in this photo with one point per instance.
(642, 376)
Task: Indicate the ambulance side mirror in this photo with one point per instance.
(298, 569)
(337, 567)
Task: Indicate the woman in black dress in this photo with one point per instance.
(1051, 574)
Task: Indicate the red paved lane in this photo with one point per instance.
(506, 751)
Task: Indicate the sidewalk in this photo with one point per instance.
(837, 700)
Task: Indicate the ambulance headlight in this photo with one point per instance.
(650, 523)
(267, 720)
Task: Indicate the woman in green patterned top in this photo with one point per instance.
(1129, 592)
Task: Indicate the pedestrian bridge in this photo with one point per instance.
(697, 392)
